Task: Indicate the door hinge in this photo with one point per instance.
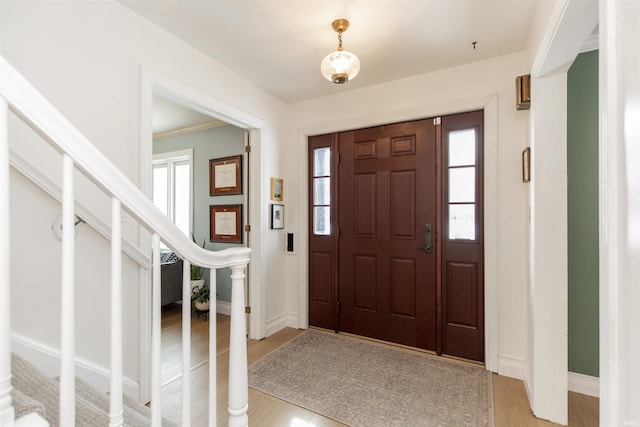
(247, 310)
(247, 148)
(437, 121)
(247, 228)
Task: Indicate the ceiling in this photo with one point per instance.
(278, 44)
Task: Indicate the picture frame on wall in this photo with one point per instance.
(276, 189)
(225, 223)
(526, 164)
(277, 216)
(225, 176)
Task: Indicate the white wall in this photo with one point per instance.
(86, 57)
(422, 96)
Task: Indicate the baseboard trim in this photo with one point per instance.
(584, 384)
(47, 360)
(223, 307)
(514, 367)
(511, 367)
(287, 320)
(527, 382)
(517, 368)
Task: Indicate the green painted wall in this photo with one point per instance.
(208, 144)
(582, 165)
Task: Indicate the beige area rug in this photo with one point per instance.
(364, 383)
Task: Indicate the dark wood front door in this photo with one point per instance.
(395, 239)
(387, 196)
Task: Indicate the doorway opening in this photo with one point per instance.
(157, 85)
(401, 207)
(185, 141)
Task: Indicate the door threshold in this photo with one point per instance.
(402, 346)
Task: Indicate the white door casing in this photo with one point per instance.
(154, 82)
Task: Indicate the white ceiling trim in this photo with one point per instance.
(188, 129)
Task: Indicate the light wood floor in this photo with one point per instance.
(171, 355)
(511, 407)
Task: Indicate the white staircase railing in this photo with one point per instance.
(79, 154)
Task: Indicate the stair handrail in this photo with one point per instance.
(25, 101)
(77, 152)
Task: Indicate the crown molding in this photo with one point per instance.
(189, 129)
(592, 43)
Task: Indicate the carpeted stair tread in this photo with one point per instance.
(92, 406)
(30, 381)
(24, 405)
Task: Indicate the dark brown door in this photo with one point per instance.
(463, 236)
(376, 197)
(387, 198)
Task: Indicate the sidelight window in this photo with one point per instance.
(322, 191)
(462, 190)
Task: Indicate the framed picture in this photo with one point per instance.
(277, 216)
(276, 189)
(225, 223)
(526, 165)
(225, 176)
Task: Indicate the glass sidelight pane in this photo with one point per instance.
(322, 161)
(462, 222)
(462, 147)
(462, 185)
(321, 191)
(322, 220)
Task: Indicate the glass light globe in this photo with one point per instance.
(340, 66)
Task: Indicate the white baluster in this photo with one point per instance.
(116, 411)
(156, 403)
(213, 352)
(6, 409)
(186, 343)
(67, 362)
(238, 383)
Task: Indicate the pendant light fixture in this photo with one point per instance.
(340, 66)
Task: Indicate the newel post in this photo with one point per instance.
(238, 382)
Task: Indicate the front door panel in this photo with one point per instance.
(387, 193)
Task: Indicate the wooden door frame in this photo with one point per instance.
(490, 106)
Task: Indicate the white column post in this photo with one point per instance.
(67, 357)
(238, 382)
(156, 400)
(116, 410)
(6, 409)
(548, 248)
(213, 350)
(186, 343)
